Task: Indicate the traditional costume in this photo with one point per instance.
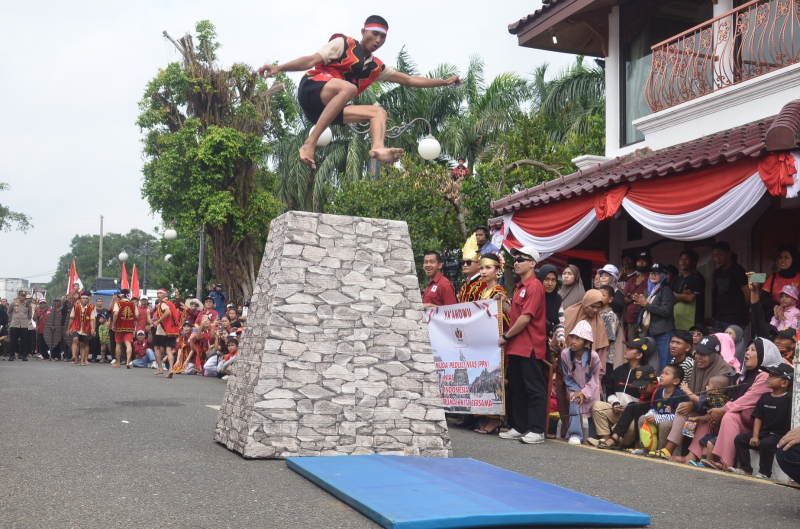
(472, 287)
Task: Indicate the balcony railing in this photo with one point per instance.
(757, 38)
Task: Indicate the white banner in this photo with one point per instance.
(469, 361)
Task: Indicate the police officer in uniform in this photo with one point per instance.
(20, 313)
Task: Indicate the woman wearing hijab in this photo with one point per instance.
(572, 290)
(735, 417)
(788, 273)
(737, 334)
(708, 363)
(554, 315)
(659, 303)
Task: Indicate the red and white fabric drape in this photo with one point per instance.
(686, 207)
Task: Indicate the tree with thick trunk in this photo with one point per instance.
(207, 135)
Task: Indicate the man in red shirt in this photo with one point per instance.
(440, 290)
(526, 344)
(460, 171)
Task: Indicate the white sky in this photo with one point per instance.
(75, 72)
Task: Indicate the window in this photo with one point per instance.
(644, 23)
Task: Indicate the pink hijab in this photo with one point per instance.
(728, 350)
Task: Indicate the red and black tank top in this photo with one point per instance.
(350, 67)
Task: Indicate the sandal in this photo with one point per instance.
(662, 454)
(613, 446)
(696, 464)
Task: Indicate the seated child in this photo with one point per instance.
(226, 362)
(606, 414)
(644, 379)
(665, 400)
(581, 367)
(552, 425)
(772, 419)
(716, 396)
(786, 312)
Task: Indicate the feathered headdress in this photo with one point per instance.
(470, 250)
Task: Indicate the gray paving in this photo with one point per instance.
(98, 447)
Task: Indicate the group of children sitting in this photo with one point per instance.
(643, 406)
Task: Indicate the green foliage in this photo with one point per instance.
(85, 250)
(11, 219)
(412, 194)
(181, 271)
(207, 136)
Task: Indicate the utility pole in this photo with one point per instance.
(100, 260)
(146, 255)
(200, 266)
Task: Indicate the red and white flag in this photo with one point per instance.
(73, 278)
(125, 285)
(134, 283)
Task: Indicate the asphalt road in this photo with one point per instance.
(99, 447)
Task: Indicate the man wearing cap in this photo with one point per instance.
(219, 298)
(40, 317)
(525, 345)
(636, 284)
(439, 290)
(460, 171)
(145, 356)
(689, 289)
(342, 69)
(20, 312)
(83, 322)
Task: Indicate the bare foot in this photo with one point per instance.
(159, 372)
(116, 365)
(387, 155)
(169, 375)
(127, 366)
(307, 155)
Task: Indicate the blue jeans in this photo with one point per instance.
(662, 343)
(575, 420)
(150, 357)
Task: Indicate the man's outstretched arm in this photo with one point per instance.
(422, 82)
(297, 65)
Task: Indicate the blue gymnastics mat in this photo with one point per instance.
(406, 492)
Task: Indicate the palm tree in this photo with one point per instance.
(486, 111)
(571, 100)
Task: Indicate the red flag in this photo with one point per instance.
(125, 285)
(73, 278)
(135, 283)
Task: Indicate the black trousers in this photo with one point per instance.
(789, 461)
(766, 452)
(528, 388)
(19, 342)
(630, 415)
(41, 347)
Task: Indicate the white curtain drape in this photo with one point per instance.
(705, 222)
(547, 246)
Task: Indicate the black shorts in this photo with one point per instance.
(308, 95)
(164, 341)
(84, 338)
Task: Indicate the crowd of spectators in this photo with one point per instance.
(170, 335)
(632, 361)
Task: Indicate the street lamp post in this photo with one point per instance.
(428, 148)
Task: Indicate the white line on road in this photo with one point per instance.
(213, 407)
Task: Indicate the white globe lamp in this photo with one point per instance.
(167, 257)
(324, 138)
(429, 148)
(170, 234)
(123, 256)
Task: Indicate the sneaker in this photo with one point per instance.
(759, 475)
(153, 365)
(574, 440)
(113, 362)
(532, 438)
(738, 471)
(511, 434)
(225, 377)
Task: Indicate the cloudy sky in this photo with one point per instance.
(75, 71)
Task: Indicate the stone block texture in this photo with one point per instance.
(335, 358)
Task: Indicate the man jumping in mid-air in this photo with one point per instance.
(341, 70)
